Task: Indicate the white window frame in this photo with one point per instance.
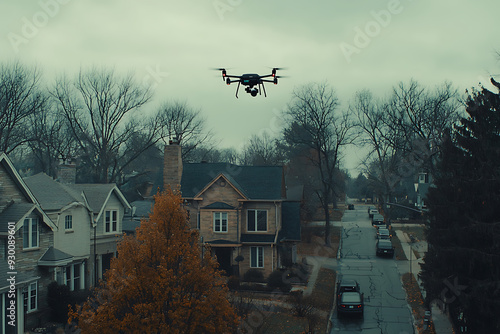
(257, 259)
(256, 215)
(111, 230)
(28, 296)
(219, 215)
(29, 233)
(68, 222)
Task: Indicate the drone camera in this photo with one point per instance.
(254, 92)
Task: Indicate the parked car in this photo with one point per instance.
(350, 206)
(350, 303)
(346, 285)
(372, 212)
(383, 233)
(378, 220)
(384, 248)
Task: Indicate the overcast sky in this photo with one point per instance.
(171, 45)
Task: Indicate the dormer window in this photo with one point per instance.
(111, 221)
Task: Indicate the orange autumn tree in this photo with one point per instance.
(160, 282)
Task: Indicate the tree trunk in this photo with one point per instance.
(327, 224)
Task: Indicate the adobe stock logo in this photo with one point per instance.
(363, 36)
(31, 27)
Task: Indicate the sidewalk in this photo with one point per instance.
(442, 323)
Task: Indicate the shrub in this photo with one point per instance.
(58, 298)
(254, 275)
(278, 280)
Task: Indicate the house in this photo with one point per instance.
(26, 235)
(68, 258)
(107, 206)
(241, 212)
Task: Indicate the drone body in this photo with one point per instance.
(251, 80)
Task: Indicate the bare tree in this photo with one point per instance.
(101, 111)
(380, 161)
(185, 125)
(319, 130)
(404, 131)
(20, 97)
(261, 150)
(51, 140)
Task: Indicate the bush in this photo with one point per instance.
(59, 297)
(254, 275)
(278, 280)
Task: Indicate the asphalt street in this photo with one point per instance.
(386, 309)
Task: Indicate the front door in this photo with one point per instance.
(223, 255)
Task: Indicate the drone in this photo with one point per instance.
(250, 80)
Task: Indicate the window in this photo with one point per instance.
(72, 276)
(220, 221)
(256, 257)
(423, 178)
(76, 276)
(198, 220)
(111, 223)
(30, 297)
(30, 233)
(257, 221)
(68, 222)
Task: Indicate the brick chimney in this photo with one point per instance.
(66, 172)
(172, 165)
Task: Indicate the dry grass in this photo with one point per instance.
(313, 241)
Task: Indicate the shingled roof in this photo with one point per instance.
(254, 182)
(51, 194)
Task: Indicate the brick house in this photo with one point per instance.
(22, 216)
(241, 211)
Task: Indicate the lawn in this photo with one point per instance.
(313, 241)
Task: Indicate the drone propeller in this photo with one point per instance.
(220, 69)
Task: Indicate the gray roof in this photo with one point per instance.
(96, 194)
(290, 226)
(51, 194)
(55, 255)
(254, 182)
(13, 213)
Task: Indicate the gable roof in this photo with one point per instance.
(97, 195)
(254, 182)
(11, 170)
(51, 194)
(14, 211)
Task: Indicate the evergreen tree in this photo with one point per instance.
(160, 282)
(462, 266)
